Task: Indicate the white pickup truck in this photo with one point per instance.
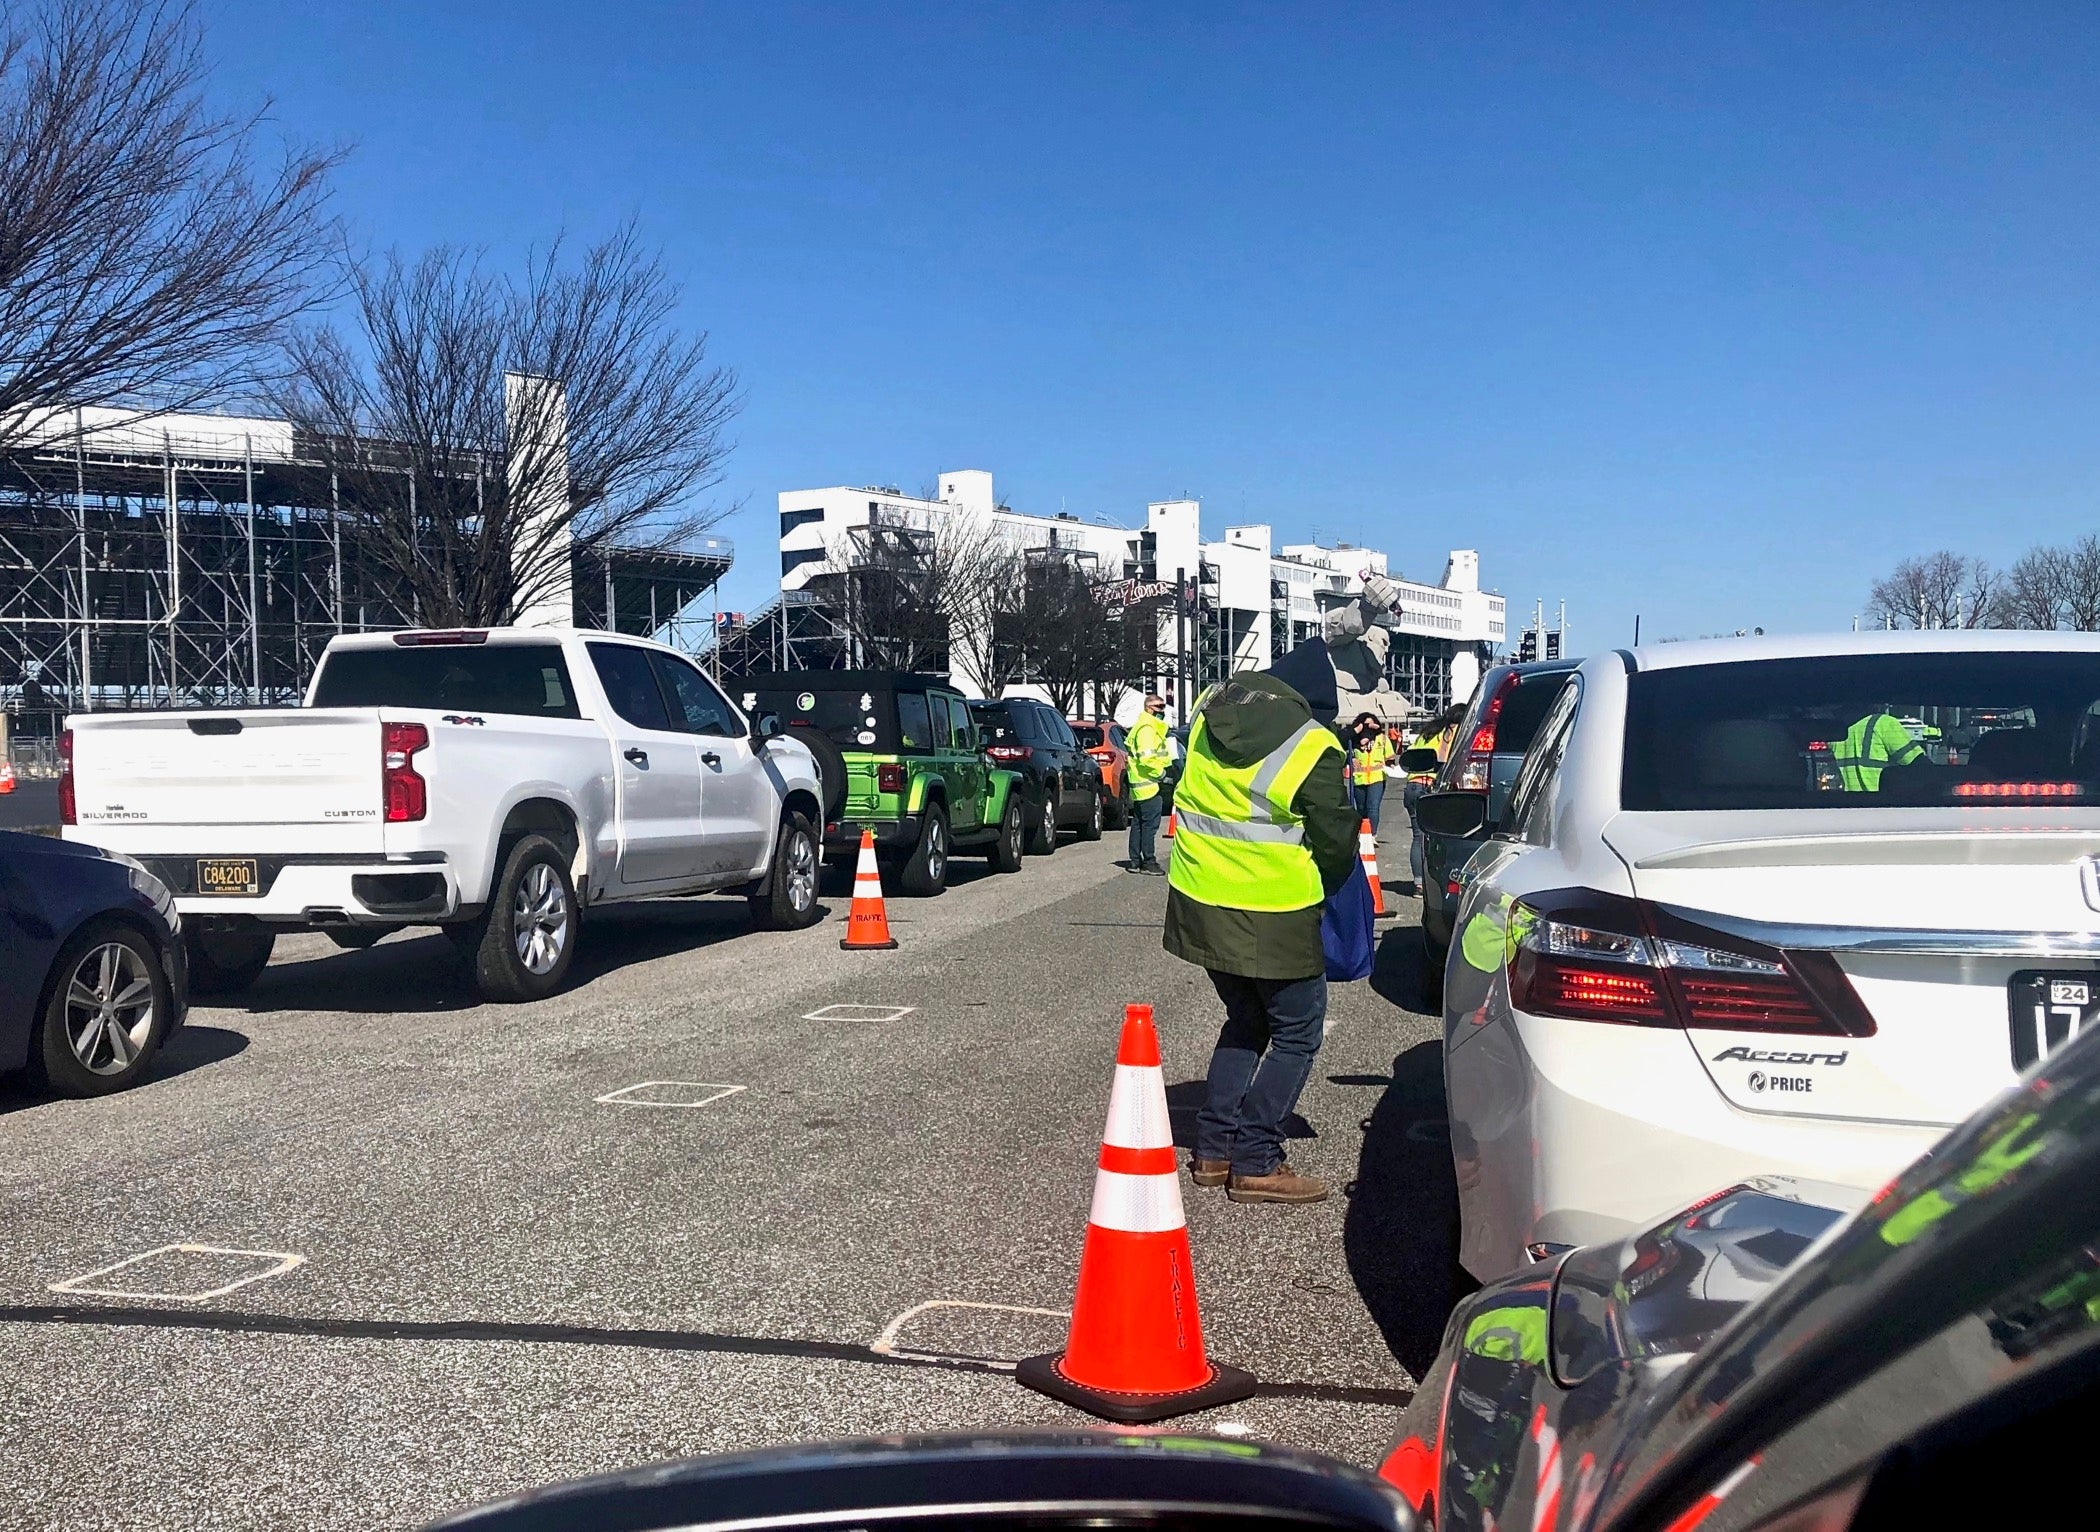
(492, 782)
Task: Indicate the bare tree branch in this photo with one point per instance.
(483, 489)
(145, 262)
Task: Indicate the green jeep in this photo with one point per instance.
(901, 756)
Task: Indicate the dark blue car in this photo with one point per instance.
(92, 975)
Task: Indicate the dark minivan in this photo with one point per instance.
(1060, 783)
(1487, 748)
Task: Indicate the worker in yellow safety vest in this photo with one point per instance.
(1263, 833)
(1145, 742)
(1367, 767)
(1870, 746)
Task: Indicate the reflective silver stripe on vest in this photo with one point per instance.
(1263, 807)
(1226, 829)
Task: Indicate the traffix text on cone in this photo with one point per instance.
(1134, 1352)
(868, 922)
(1367, 853)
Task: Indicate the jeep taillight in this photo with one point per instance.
(1600, 957)
(68, 805)
(889, 778)
(407, 795)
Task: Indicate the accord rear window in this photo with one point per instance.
(1853, 731)
(527, 679)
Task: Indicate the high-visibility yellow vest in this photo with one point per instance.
(1875, 742)
(1369, 760)
(1146, 744)
(1237, 841)
(1440, 742)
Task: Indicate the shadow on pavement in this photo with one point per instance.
(1399, 1235)
(192, 1047)
(1403, 963)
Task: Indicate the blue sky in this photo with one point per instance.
(1706, 312)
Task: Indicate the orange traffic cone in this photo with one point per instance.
(1135, 1349)
(1170, 824)
(7, 776)
(1367, 853)
(868, 922)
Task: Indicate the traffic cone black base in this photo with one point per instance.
(1227, 1385)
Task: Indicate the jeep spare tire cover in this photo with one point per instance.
(831, 767)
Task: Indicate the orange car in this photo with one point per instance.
(1104, 742)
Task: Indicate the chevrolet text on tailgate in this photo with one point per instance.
(491, 782)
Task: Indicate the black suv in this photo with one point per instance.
(1060, 783)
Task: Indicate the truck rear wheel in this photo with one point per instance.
(526, 938)
(226, 956)
(790, 900)
(926, 872)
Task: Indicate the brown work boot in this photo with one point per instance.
(1210, 1172)
(1282, 1184)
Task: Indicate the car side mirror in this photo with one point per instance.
(1462, 814)
(764, 727)
(1419, 758)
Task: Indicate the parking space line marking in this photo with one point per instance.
(885, 1344)
(624, 1097)
(284, 1261)
(871, 1013)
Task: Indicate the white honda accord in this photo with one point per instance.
(1765, 906)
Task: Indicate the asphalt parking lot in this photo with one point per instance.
(481, 1252)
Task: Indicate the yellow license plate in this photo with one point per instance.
(227, 875)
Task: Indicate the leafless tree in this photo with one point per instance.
(2032, 593)
(1067, 633)
(2081, 584)
(1940, 590)
(147, 258)
(481, 430)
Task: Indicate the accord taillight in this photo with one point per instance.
(402, 787)
(1601, 957)
(68, 803)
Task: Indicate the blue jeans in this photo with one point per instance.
(1265, 1052)
(1370, 799)
(1144, 825)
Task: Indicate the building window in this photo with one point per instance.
(789, 520)
(790, 562)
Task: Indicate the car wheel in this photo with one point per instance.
(790, 900)
(1120, 807)
(926, 871)
(1042, 835)
(527, 935)
(1006, 850)
(109, 1007)
(1090, 829)
(226, 956)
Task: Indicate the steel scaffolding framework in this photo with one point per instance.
(185, 563)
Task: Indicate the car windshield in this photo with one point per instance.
(856, 719)
(1855, 731)
(529, 679)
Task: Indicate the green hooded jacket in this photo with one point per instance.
(1246, 718)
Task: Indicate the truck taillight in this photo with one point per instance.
(407, 795)
(889, 778)
(68, 805)
(1473, 764)
(1600, 957)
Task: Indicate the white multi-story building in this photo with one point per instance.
(1254, 600)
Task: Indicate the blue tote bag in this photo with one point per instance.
(1348, 929)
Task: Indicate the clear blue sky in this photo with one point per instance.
(1706, 312)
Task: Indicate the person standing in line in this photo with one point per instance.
(1367, 760)
(1264, 832)
(1145, 742)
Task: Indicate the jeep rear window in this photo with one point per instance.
(531, 680)
(852, 720)
(2014, 728)
(913, 729)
